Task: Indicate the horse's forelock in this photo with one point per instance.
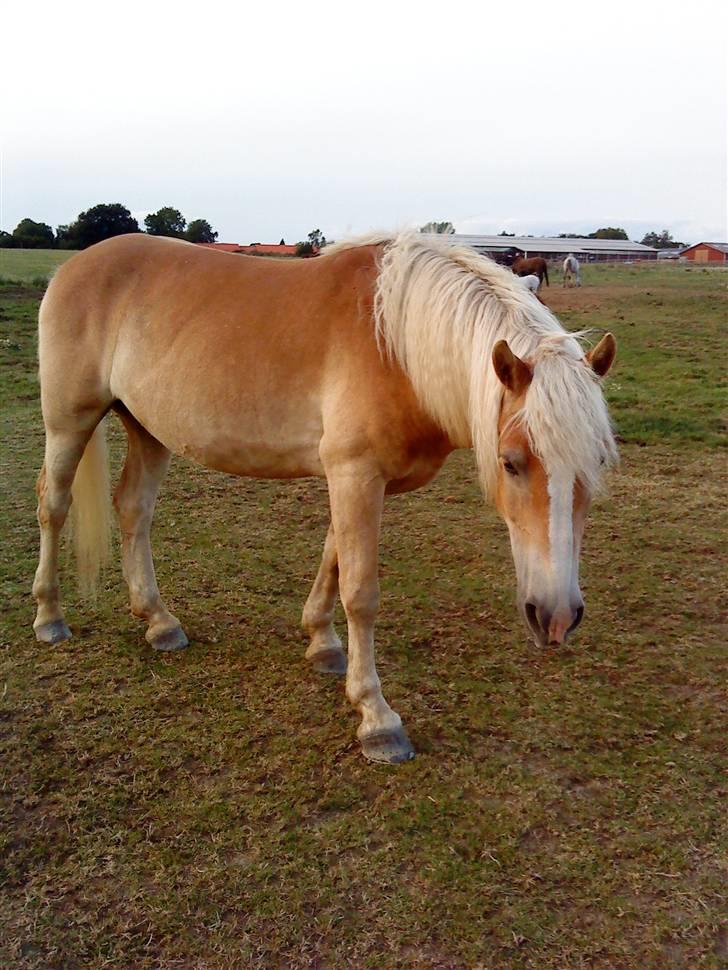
(566, 416)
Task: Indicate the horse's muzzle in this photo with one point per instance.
(552, 628)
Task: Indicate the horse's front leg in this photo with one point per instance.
(357, 495)
(325, 651)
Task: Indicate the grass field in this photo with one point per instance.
(31, 265)
(567, 808)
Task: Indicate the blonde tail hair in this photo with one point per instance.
(91, 512)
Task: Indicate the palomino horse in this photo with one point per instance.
(367, 366)
(572, 271)
(522, 266)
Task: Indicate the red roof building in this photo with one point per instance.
(254, 249)
(706, 252)
(268, 249)
(222, 247)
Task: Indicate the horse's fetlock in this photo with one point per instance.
(316, 620)
(364, 692)
(46, 592)
(145, 604)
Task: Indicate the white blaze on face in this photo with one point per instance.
(563, 563)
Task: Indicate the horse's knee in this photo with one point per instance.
(361, 602)
(40, 482)
(53, 506)
(134, 509)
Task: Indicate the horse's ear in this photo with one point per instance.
(601, 357)
(512, 372)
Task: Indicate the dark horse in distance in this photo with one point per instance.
(521, 266)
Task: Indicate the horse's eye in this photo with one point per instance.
(510, 467)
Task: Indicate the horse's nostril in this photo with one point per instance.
(532, 617)
(577, 619)
(544, 620)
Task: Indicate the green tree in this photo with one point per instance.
(199, 231)
(166, 222)
(33, 235)
(317, 239)
(64, 237)
(610, 232)
(443, 228)
(661, 240)
(96, 224)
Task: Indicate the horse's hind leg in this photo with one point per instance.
(63, 452)
(146, 464)
(325, 651)
(357, 496)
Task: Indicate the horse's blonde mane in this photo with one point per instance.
(440, 309)
(356, 242)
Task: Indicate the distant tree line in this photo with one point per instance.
(113, 219)
(662, 240)
(609, 232)
(102, 222)
(315, 241)
(658, 240)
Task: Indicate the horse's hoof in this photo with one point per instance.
(389, 748)
(330, 662)
(55, 632)
(171, 640)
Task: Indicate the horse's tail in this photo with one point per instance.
(91, 511)
(546, 272)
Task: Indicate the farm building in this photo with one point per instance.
(707, 252)
(222, 247)
(267, 249)
(256, 249)
(585, 250)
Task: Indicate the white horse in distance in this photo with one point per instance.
(572, 271)
(531, 282)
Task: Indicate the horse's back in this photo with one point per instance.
(241, 363)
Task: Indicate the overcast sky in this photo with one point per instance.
(270, 119)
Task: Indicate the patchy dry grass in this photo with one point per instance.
(211, 809)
